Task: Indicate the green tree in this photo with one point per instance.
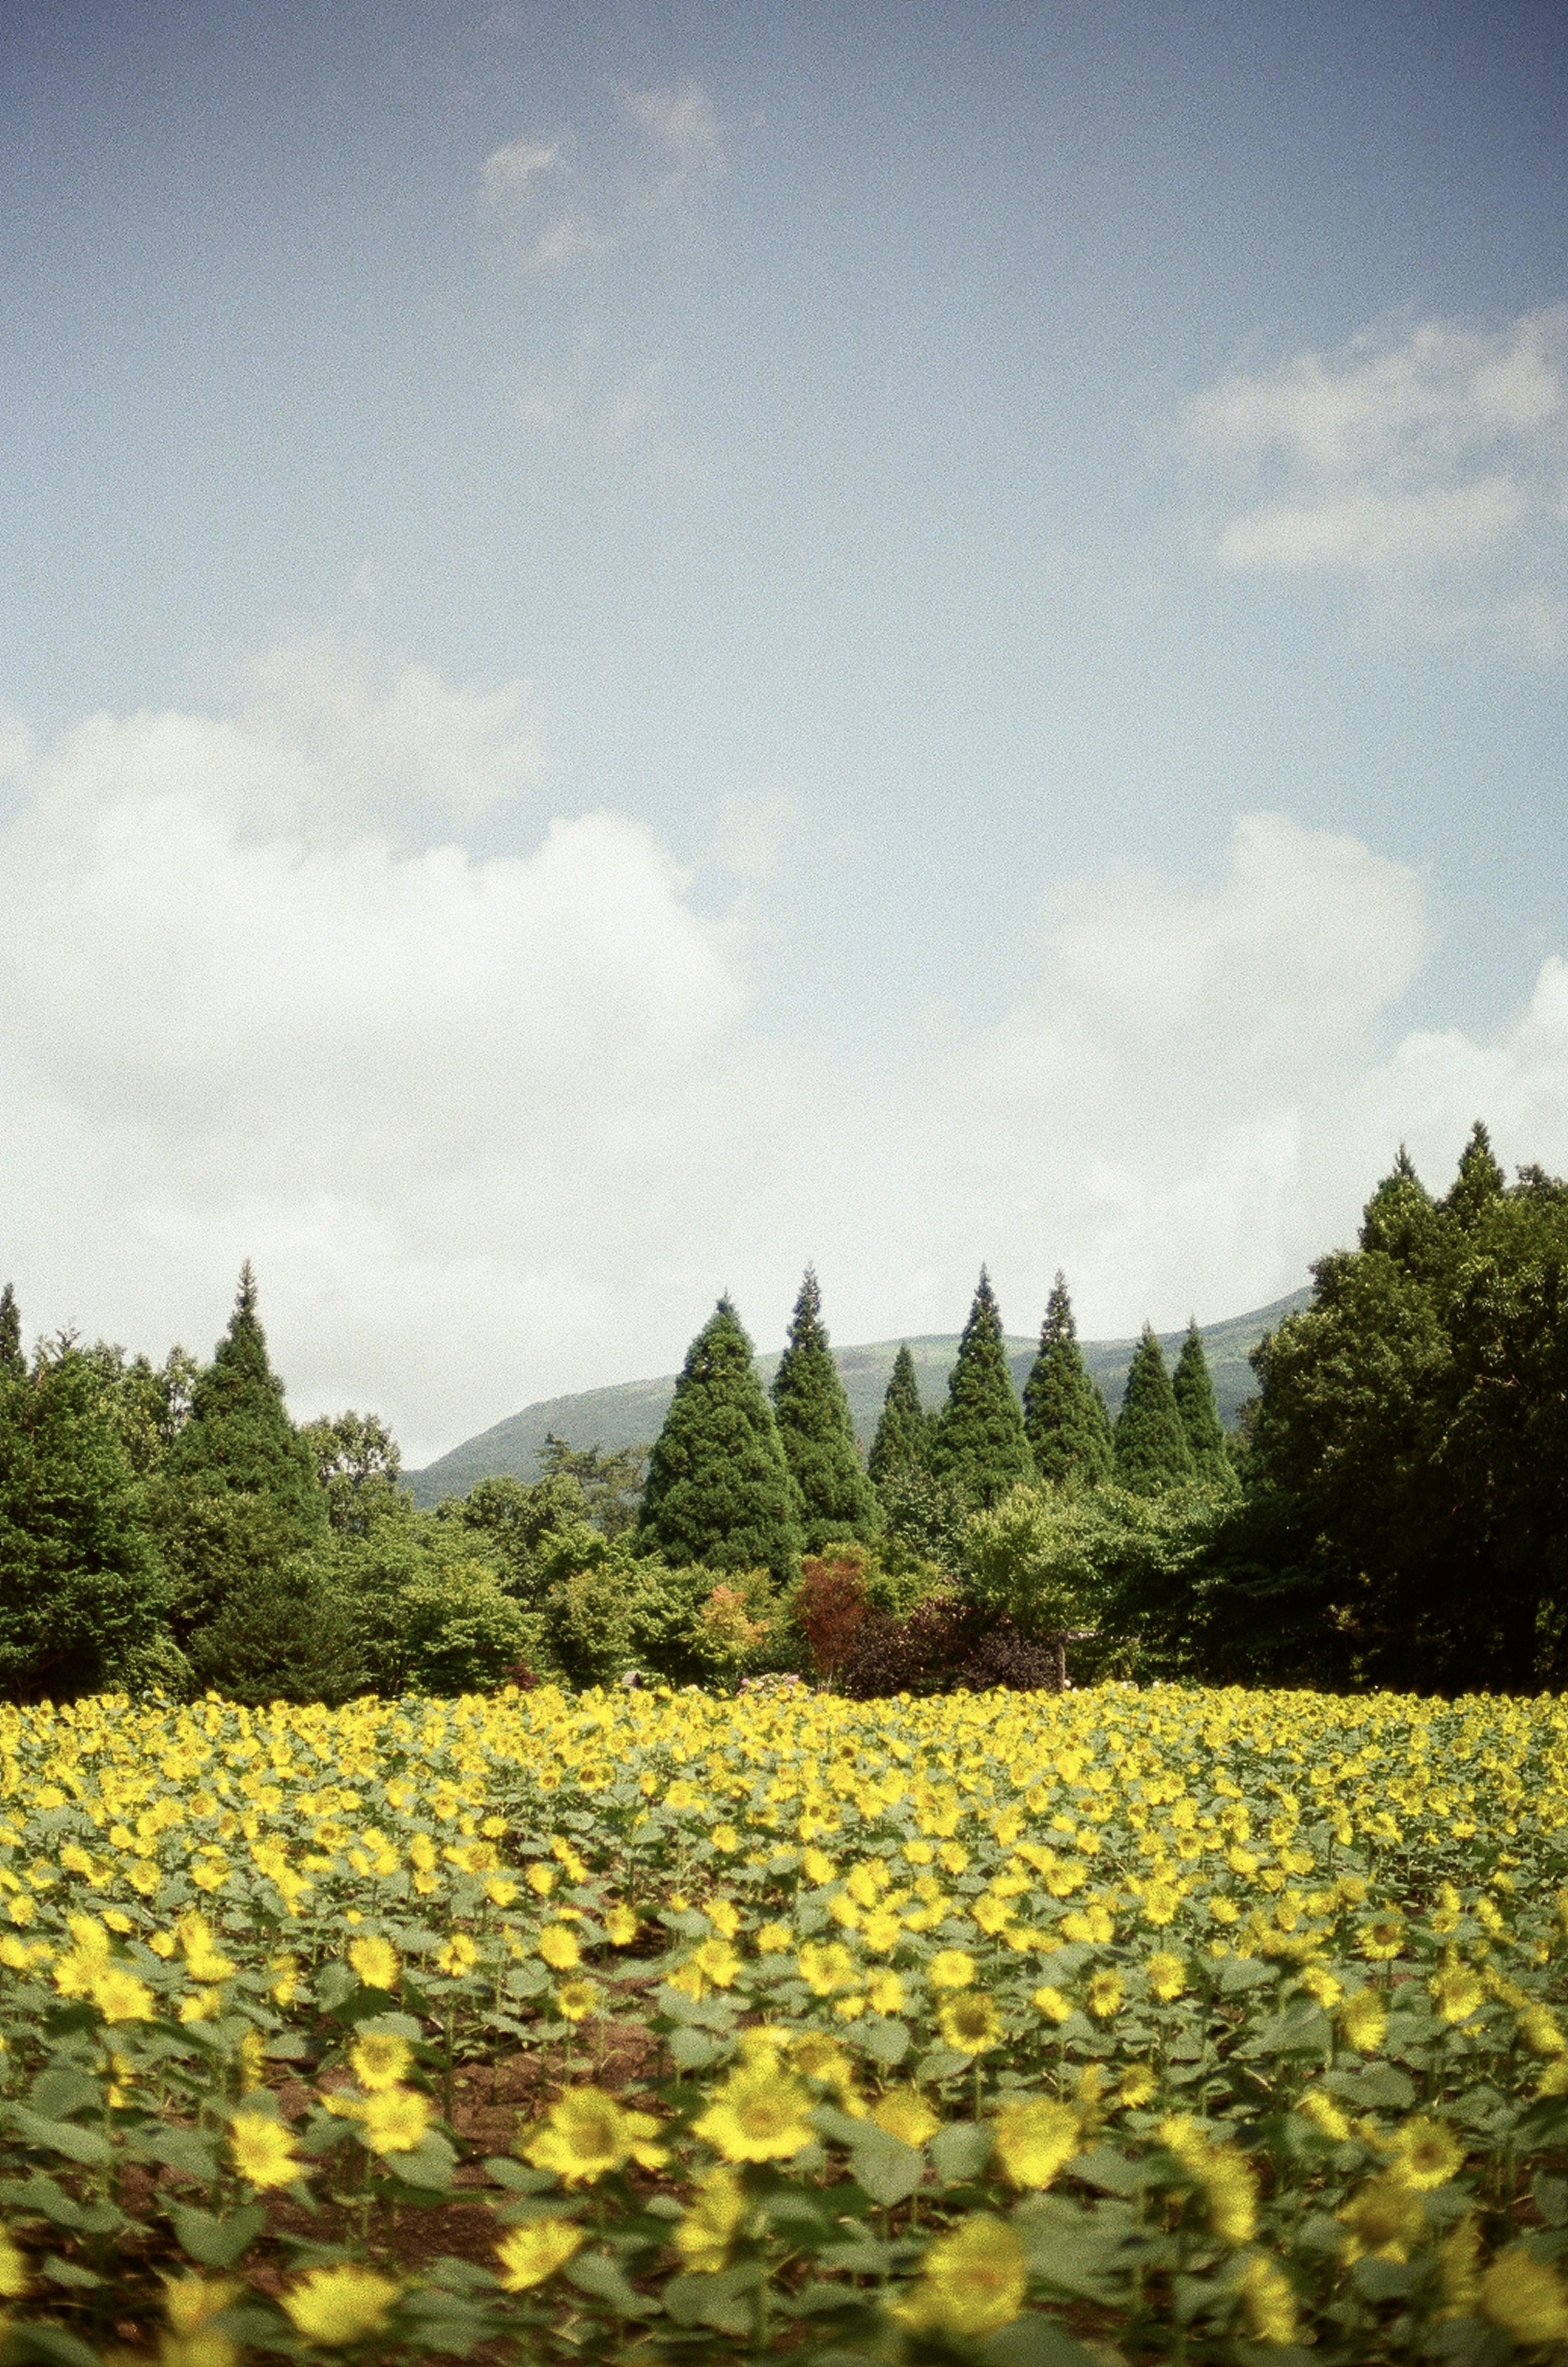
(1065, 1415)
(1408, 1477)
(818, 1436)
(903, 1438)
(13, 1364)
(720, 1490)
(1194, 1393)
(81, 1589)
(612, 1484)
(1152, 1450)
(239, 1490)
(358, 1468)
(239, 1440)
(979, 1442)
(512, 1525)
(290, 1635)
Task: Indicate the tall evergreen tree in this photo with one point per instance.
(979, 1440)
(81, 1588)
(1065, 1415)
(720, 1490)
(1193, 1390)
(818, 1436)
(13, 1364)
(1152, 1452)
(1479, 1184)
(904, 1433)
(239, 1439)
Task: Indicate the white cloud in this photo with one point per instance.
(1429, 466)
(393, 734)
(751, 832)
(498, 1128)
(561, 211)
(513, 170)
(684, 128)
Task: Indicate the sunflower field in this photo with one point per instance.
(1028, 2029)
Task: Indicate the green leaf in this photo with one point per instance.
(1033, 2340)
(51, 2345)
(692, 2050)
(1111, 2171)
(1551, 2198)
(1240, 1973)
(217, 2243)
(504, 2171)
(429, 2164)
(1383, 2279)
(603, 2279)
(942, 2063)
(334, 1985)
(69, 2273)
(820, 2300)
(84, 2146)
(960, 2151)
(723, 2301)
(181, 2150)
(62, 2088)
(887, 2168)
(886, 2042)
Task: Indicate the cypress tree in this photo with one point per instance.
(1479, 1181)
(1152, 1452)
(13, 1364)
(1194, 1393)
(904, 1433)
(239, 1439)
(720, 1490)
(1065, 1415)
(979, 1442)
(818, 1436)
(82, 1591)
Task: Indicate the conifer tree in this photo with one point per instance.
(1193, 1390)
(239, 1439)
(720, 1490)
(904, 1433)
(81, 1588)
(1152, 1452)
(979, 1443)
(813, 1415)
(1065, 1415)
(1479, 1182)
(13, 1364)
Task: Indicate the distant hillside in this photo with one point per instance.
(633, 1413)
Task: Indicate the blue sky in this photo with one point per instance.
(640, 643)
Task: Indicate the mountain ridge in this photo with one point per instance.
(630, 1413)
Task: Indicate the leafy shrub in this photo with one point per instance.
(830, 1607)
(918, 1654)
(1004, 1659)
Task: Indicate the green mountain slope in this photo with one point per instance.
(632, 1413)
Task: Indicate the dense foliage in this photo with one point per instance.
(1172, 2025)
(979, 1442)
(720, 1490)
(837, 1500)
(1065, 1415)
(1392, 1510)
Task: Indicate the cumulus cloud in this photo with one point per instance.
(1430, 466)
(494, 1127)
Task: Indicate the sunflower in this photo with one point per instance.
(970, 2022)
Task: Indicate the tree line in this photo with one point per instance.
(1390, 1511)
